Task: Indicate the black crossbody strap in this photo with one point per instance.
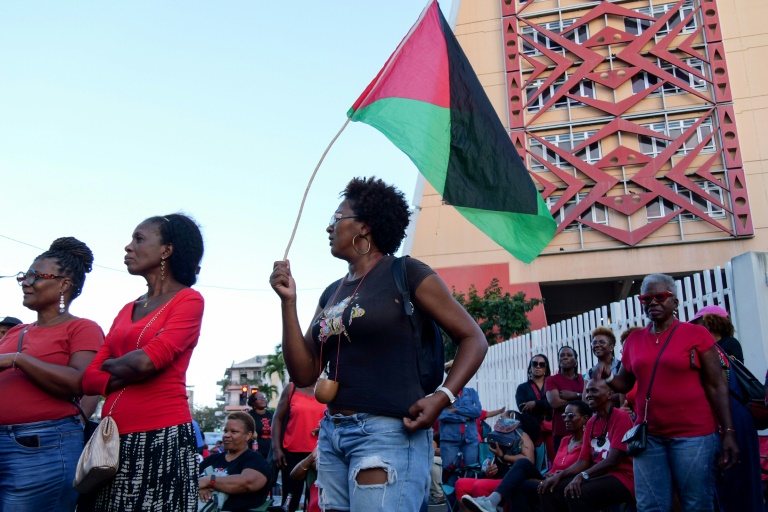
(21, 338)
(653, 374)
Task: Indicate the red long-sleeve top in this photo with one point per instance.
(161, 400)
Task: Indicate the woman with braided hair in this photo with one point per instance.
(41, 367)
(141, 370)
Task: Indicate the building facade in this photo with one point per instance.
(640, 123)
(250, 374)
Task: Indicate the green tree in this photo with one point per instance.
(500, 314)
(275, 364)
(206, 418)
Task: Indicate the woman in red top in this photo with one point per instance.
(141, 370)
(520, 485)
(41, 365)
(294, 435)
(689, 399)
(602, 475)
(563, 387)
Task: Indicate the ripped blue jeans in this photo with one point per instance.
(350, 444)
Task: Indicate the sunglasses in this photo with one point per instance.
(658, 297)
(570, 415)
(30, 276)
(538, 364)
(336, 217)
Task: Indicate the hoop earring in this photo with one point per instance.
(355, 248)
(162, 269)
(62, 306)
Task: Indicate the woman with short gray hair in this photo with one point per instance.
(685, 404)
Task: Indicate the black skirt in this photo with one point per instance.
(158, 472)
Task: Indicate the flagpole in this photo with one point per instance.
(306, 191)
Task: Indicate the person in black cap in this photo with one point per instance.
(8, 323)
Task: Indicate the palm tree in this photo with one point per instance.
(276, 364)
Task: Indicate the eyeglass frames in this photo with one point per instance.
(658, 297)
(336, 217)
(538, 364)
(30, 276)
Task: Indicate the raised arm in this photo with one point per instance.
(300, 353)
(434, 299)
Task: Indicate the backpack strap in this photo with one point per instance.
(400, 275)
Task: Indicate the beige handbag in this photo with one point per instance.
(101, 456)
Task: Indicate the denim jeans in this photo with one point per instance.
(350, 444)
(685, 464)
(39, 477)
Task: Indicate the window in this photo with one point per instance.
(644, 80)
(652, 146)
(597, 213)
(637, 26)
(579, 35)
(591, 154)
(584, 88)
(661, 207)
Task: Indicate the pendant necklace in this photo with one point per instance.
(602, 437)
(659, 333)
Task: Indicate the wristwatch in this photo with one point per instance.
(584, 476)
(447, 392)
(213, 481)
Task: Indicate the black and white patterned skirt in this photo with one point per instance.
(158, 473)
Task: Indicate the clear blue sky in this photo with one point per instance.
(114, 112)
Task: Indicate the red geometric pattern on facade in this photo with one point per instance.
(671, 172)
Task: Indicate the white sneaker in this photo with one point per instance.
(482, 504)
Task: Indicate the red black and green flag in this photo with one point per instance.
(428, 101)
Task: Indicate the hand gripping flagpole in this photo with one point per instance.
(306, 191)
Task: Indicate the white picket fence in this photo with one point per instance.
(506, 364)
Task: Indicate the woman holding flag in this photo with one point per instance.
(375, 442)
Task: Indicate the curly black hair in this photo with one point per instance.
(74, 260)
(382, 207)
(583, 408)
(184, 234)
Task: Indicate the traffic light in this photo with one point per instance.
(244, 395)
(254, 391)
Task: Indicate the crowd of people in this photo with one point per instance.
(348, 432)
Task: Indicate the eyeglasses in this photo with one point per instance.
(570, 415)
(538, 364)
(260, 397)
(30, 276)
(336, 217)
(658, 297)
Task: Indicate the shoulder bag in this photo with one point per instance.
(101, 455)
(637, 437)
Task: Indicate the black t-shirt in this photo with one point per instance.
(263, 429)
(247, 460)
(377, 369)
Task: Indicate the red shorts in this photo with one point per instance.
(475, 487)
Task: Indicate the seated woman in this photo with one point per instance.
(520, 485)
(239, 472)
(602, 475)
(505, 456)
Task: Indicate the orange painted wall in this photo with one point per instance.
(461, 278)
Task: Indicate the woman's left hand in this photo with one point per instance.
(573, 489)
(730, 454)
(205, 491)
(6, 360)
(491, 469)
(426, 411)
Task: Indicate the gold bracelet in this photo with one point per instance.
(305, 469)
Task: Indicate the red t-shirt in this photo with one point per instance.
(618, 424)
(304, 416)
(559, 382)
(161, 400)
(564, 458)
(678, 405)
(21, 401)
